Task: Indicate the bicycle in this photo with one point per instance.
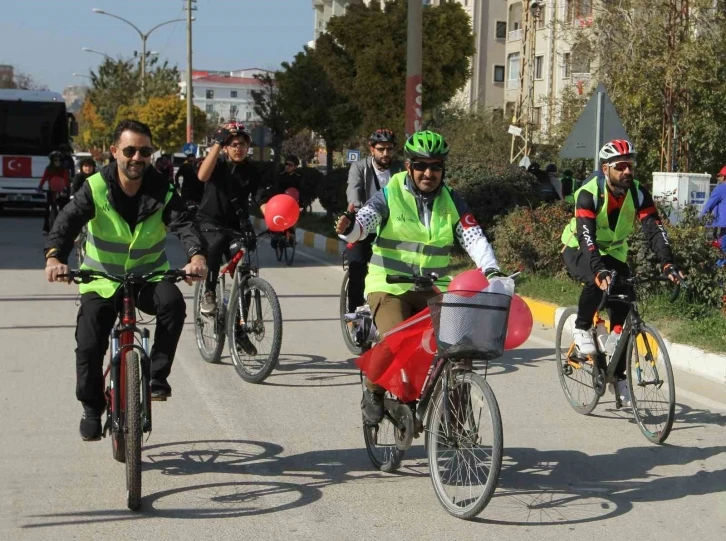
(445, 407)
(284, 244)
(246, 293)
(584, 378)
(128, 393)
(56, 200)
(357, 327)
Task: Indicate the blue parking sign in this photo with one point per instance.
(352, 156)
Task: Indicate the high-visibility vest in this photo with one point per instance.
(405, 246)
(111, 246)
(609, 242)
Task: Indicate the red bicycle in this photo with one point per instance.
(128, 394)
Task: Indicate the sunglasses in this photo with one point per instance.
(130, 152)
(423, 166)
(622, 166)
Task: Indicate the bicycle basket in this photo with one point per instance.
(470, 325)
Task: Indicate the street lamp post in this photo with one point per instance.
(144, 37)
(81, 75)
(89, 50)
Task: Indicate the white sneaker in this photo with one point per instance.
(584, 342)
(623, 391)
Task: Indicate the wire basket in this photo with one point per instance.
(469, 324)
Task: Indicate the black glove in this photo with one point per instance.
(221, 136)
(351, 217)
(669, 269)
(494, 273)
(601, 275)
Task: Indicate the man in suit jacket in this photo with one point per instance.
(365, 179)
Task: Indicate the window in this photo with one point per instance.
(538, 63)
(248, 115)
(537, 117)
(513, 66)
(541, 19)
(233, 94)
(501, 32)
(580, 60)
(498, 74)
(582, 8)
(566, 63)
(210, 94)
(209, 108)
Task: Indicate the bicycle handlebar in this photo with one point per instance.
(637, 280)
(427, 280)
(88, 276)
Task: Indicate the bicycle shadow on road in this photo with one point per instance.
(544, 488)
(306, 370)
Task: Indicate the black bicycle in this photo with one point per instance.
(457, 409)
(357, 327)
(649, 373)
(248, 312)
(285, 244)
(128, 393)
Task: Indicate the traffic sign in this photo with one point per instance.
(189, 148)
(352, 156)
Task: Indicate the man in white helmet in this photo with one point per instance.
(596, 242)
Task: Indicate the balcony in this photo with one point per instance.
(512, 84)
(515, 35)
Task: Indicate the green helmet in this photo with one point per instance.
(426, 144)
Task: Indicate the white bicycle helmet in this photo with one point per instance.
(617, 148)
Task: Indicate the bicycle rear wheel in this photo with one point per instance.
(652, 388)
(290, 250)
(133, 431)
(465, 455)
(577, 378)
(381, 445)
(279, 247)
(209, 329)
(255, 330)
(347, 338)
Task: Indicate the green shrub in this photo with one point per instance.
(529, 239)
(331, 190)
(311, 179)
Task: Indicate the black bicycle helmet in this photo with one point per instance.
(382, 135)
(551, 168)
(55, 155)
(292, 158)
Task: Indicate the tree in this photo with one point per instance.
(21, 81)
(303, 144)
(167, 118)
(270, 109)
(312, 102)
(364, 54)
(91, 129)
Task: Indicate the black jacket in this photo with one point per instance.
(152, 195)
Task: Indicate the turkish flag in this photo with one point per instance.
(17, 166)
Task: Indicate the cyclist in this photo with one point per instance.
(230, 180)
(418, 219)
(192, 189)
(365, 179)
(569, 185)
(287, 179)
(55, 169)
(88, 168)
(595, 242)
(67, 158)
(716, 206)
(128, 207)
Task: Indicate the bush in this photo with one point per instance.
(331, 191)
(529, 239)
(311, 179)
(493, 193)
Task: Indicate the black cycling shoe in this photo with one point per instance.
(90, 428)
(160, 389)
(372, 406)
(244, 343)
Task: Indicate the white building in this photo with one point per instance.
(485, 89)
(226, 94)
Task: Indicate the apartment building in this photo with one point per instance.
(486, 87)
(226, 94)
(557, 63)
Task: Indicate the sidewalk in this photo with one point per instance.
(686, 358)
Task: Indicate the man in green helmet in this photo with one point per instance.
(417, 219)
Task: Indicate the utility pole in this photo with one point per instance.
(414, 79)
(190, 91)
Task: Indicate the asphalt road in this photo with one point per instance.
(285, 460)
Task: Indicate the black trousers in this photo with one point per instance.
(358, 257)
(217, 248)
(96, 318)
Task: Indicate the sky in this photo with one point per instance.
(43, 38)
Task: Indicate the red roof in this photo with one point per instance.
(220, 79)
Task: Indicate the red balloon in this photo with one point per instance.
(57, 184)
(281, 213)
(519, 324)
(468, 283)
(292, 192)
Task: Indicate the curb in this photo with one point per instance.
(312, 240)
(690, 359)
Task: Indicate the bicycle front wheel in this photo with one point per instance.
(465, 453)
(576, 377)
(344, 328)
(652, 388)
(209, 329)
(254, 328)
(133, 431)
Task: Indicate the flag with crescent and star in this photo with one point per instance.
(17, 166)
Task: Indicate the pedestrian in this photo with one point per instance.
(716, 207)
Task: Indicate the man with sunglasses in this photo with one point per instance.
(229, 178)
(595, 242)
(128, 207)
(365, 179)
(418, 219)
